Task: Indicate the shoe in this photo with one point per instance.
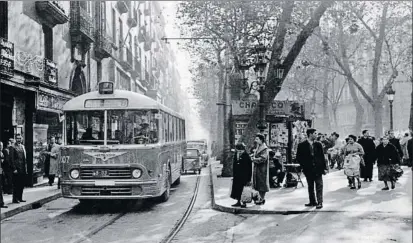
(365, 180)
(263, 202)
(359, 185)
(370, 180)
(319, 206)
(15, 201)
(352, 187)
(393, 186)
(3, 206)
(243, 205)
(385, 189)
(236, 205)
(310, 204)
(22, 200)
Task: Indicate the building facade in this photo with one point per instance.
(52, 51)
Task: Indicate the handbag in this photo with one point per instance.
(247, 194)
(396, 170)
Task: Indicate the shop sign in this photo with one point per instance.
(50, 101)
(29, 64)
(277, 108)
(6, 57)
(50, 72)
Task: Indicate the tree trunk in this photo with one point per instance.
(221, 112)
(378, 118)
(359, 110)
(334, 109)
(326, 117)
(228, 145)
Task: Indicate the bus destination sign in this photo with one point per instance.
(106, 103)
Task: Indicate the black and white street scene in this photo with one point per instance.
(270, 121)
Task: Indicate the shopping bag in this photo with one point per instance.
(396, 171)
(247, 194)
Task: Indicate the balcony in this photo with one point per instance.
(52, 12)
(7, 59)
(103, 48)
(50, 72)
(122, 7)
(126, 63)
(81, 25)
(131, 22)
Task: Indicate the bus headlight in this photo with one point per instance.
(74, 174)
(136, 173)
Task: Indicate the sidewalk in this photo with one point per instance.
(35, 197)
(337, 196)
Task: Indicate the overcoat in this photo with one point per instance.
(18, 158)
(387, 155)
(261, 181)
(313, 163)
(369, 157)
(242, 173)
(54, 160)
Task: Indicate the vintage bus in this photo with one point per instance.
(120, 145)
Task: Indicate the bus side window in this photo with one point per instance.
(170, 127)
(165, 126)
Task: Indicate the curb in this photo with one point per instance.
(29, 206)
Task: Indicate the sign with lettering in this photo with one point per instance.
(50, 101)
(29, 64)
(6, 57)
(104, 156)
(50, 72)
(277, 108)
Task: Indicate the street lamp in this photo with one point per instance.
(260, 64)
(390, 96)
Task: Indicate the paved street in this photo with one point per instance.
(65, 220)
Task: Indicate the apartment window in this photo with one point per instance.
(120, 32)
(4, 19)
(114, 25)
(48, 42)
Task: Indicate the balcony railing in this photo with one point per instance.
(6, 57)
(52, 12)
(50, 72)
(103, 48)
(81, 25)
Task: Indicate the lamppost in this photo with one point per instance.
(260, 65)
(390, 96)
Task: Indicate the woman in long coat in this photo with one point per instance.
(387, 156)
(242, 172)
(261, 172)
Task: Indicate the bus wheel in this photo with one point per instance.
(165, 195)
(177, 182)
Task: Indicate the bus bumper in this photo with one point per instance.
(100, 189)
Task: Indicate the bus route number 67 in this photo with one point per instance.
(65, 159)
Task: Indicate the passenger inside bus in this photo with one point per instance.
(88, 134)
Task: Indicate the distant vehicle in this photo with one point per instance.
(192, 161)
(202, 146)
(120, 145)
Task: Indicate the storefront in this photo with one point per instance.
(285, 120)
(30, 103)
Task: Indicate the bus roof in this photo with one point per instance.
(135, 101)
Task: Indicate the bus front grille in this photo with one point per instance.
(107, 191)
(105, 173)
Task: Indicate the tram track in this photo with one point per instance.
(178, 226)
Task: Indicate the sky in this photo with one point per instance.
(169, 9)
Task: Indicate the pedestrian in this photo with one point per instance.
(1, 177)
(396, 142)
(18, 158)
(272, 168)
(353, 153)
(276, 169)
(310, 156)
(8, 168)
(54, 155)
(369, 156)
(410, 150)
(387, 157)
(261, 171)
(242, 173)
(403, 144)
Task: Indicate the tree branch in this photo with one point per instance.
(278, 45)
(329, 68)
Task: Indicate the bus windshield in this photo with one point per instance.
(123, 127)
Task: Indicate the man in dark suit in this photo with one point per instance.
(18, 158)
(310, 156)
(369, 156)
